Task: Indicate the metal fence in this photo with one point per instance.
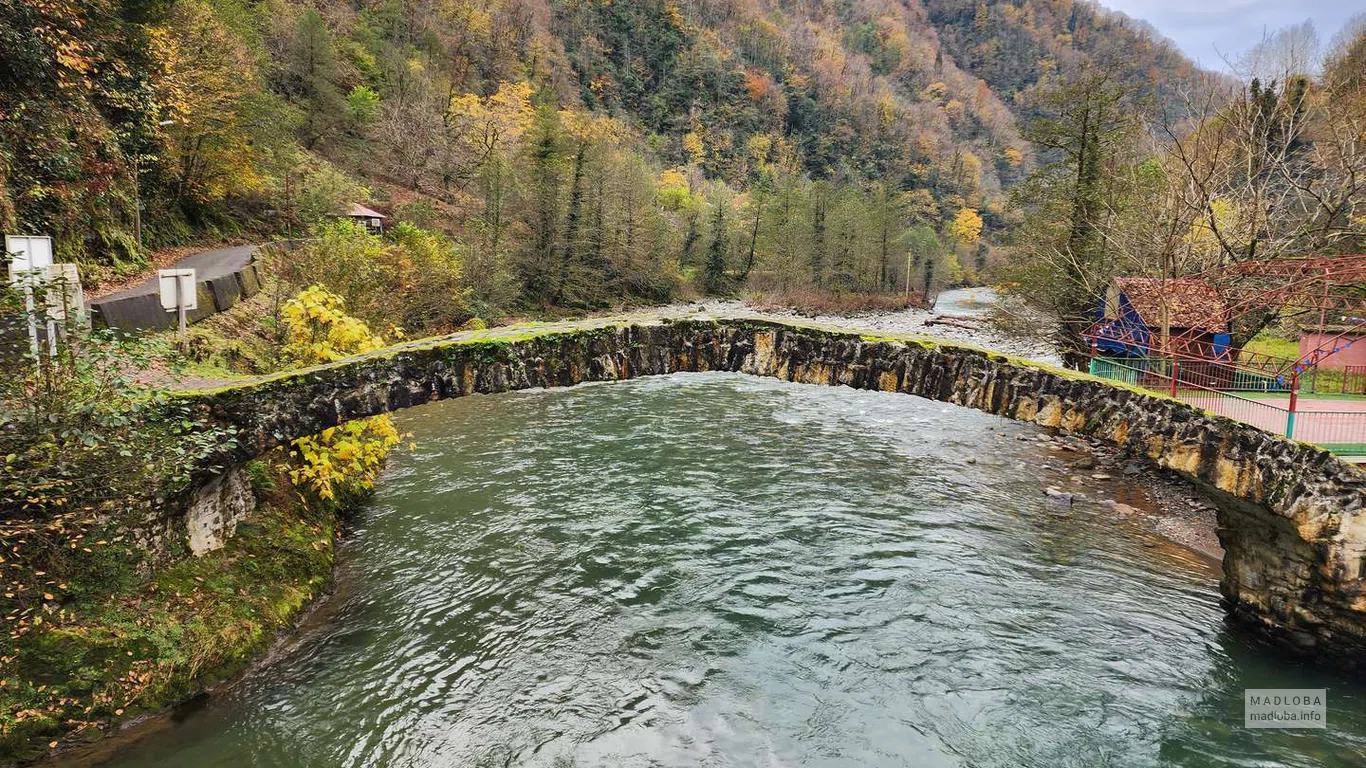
(1263, 415)
(1156, 373)
(1354, 380)
(1253, 397)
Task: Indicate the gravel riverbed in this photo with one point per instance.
(954, 306)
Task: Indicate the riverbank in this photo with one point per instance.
(1072, 467)
(1139, 493)
(120, 639)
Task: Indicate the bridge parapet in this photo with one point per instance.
(1292, 518)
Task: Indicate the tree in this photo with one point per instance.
(889, 212)
(308, 77)
(572, 221)
(820, 202)
(715, 274)
(202, 87)
(542, 205)
(1276, 170)
(966, 227)
(1064, 260)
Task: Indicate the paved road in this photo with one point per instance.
(207, 265)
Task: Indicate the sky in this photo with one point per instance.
(1205, 29)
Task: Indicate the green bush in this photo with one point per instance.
(411, 282)
(261, 478)
(85, 428)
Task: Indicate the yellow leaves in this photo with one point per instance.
(318, 330)
(955, 110)
(673, 190)
(513, 99)
(758, 146)
(672, 178)
(692, 144)
(592, 127)
(1013, 157)
(966, 227)
(347, 458)
(485, 122)
(1222, 219)
(602, 82)
(971, 175)
(202, 78)
(673, 16)
(886, 110)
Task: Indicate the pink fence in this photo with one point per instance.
(1262, 415)
(1249, 396)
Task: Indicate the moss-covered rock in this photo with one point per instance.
(161, 631)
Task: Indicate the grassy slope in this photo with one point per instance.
(162, 634)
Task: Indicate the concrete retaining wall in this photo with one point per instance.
(144, 313)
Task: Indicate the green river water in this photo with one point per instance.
(713, 570)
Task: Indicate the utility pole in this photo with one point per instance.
(908, 276)
(137, 200)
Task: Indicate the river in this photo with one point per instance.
(716, 570)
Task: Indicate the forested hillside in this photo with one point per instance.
(575, 151)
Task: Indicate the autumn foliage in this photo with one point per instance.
(343, 461)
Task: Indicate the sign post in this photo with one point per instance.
(65, 302)
(178, 294)
(31, 256)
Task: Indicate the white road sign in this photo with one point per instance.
(177, 290)
(30, 252)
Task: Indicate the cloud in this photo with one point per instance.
(1210, 30)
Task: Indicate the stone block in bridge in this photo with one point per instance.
(1292, 516)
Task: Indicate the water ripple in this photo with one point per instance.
(713, 570)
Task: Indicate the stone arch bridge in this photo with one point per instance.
(1292, 518)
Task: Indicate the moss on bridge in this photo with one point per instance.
(1296, 570)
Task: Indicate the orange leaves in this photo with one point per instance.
(64, 31)
(757, 84)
